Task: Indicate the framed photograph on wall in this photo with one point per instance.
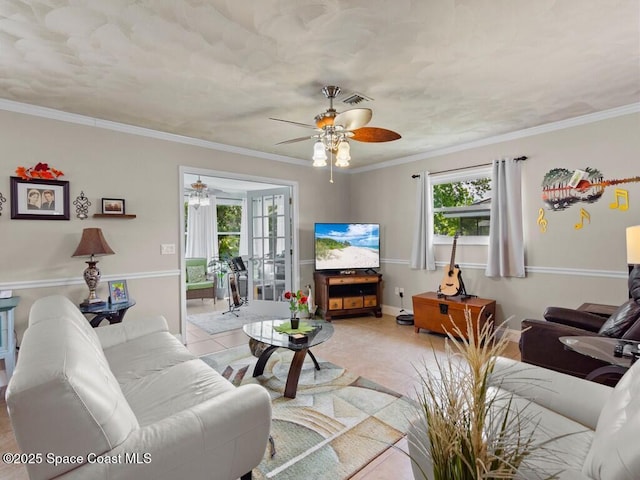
(118, 292)
(38, 199)
(113, 206)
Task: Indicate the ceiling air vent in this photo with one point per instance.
(355, 98)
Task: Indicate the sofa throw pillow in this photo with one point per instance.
(195, 274)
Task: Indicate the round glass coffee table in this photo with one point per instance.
(265, 332)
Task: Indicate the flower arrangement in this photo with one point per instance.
(41, 170)
(298, 302)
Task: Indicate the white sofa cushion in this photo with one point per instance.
(159, 377)
(615, 454)
(53, 389)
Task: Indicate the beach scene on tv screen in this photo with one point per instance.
(349, 245)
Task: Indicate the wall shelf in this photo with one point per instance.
(107, 215)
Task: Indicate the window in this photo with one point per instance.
(462, 203)
(229, 218)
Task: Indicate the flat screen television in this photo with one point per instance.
(346, 246)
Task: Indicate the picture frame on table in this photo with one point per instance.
(39, 199)
(113, 206)
(118, 291)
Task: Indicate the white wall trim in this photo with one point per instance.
(44, 112)
(63, 282)
(527, 132)
(582, 272)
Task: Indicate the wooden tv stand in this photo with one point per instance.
(354, 294)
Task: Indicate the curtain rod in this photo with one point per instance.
(417, 175)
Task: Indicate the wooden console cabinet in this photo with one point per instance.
(339, 294)
(433, 313)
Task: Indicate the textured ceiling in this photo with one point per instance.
(440, 72)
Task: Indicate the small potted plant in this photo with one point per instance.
(298, 302)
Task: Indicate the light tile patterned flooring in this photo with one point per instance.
(376, 348)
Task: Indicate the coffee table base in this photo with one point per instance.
(295, 369)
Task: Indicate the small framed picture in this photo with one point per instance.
(118, 292)
(113, 206)
(38, 199)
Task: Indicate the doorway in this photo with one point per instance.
(266, 242)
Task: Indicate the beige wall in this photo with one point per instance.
(35, 256)
(567, 266)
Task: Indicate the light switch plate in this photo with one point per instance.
(167, 249)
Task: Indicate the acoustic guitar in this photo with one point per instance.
(450, 285)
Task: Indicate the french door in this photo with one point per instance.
(270, 253)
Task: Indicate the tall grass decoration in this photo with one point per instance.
(474, 430)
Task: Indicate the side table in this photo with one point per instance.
(602, 348)
(441, 314)
(7, 333)
(113, 312)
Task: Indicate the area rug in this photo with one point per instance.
(336, 425)
(217, 322)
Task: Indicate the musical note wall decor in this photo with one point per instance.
(561, 188)
(623, 195)
(542, 222)
(583, 215)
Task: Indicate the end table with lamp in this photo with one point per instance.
(92, 244)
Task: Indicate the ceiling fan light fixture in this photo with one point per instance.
(319, 155)
(343, 156)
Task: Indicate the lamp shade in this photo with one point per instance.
(633, 245)
(92, 243)
(319, 155)
(343, 157)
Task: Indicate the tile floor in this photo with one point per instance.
(376, 348)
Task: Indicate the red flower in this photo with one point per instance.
(287, 295)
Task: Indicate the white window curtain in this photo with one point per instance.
(244, 239)
(202, 231)
(506, 237)
(422, 257)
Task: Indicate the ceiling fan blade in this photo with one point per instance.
(353, 119)
(294, 140)
(374, 134)
(306, 125)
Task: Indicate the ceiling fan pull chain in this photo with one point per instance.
(331, 166)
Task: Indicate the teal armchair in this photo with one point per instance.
(198, 285)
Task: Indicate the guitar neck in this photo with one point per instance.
(453, 253)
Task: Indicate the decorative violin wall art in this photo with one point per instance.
(563, 188)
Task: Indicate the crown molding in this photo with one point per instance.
(53, 114)
(528, 132)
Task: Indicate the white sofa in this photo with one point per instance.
(601, 424)
(128, 401)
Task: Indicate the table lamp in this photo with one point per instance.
(92, 244)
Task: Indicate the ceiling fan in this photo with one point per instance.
(334, 130)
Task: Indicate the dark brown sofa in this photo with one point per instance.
(540, 344)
